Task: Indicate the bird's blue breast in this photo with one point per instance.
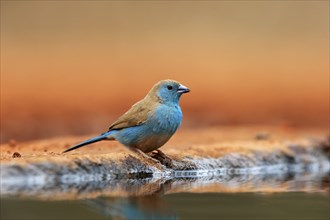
(155, 132)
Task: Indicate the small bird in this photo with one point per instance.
(150, 123)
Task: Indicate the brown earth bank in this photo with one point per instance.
(202, 142)
(213, 142)
(279, 158)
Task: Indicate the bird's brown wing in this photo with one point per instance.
(136, 115)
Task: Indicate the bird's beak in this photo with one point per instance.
(183, 89)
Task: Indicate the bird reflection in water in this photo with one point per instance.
(146, 207)
(134, 207)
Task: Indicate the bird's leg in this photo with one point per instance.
(161, 153)
(160, 156)
(144, 155)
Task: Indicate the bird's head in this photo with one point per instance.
(168, 91)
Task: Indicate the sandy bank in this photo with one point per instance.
(212, 151)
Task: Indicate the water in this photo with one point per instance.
(295, 205)
(283, 196)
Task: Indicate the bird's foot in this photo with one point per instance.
(162, 158)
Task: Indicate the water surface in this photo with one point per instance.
(290, 196)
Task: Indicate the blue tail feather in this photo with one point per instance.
(89, 141)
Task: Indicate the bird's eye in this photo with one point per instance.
(169, 87)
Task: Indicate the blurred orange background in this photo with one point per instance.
(72, 67)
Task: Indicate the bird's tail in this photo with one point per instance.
(101, 137)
